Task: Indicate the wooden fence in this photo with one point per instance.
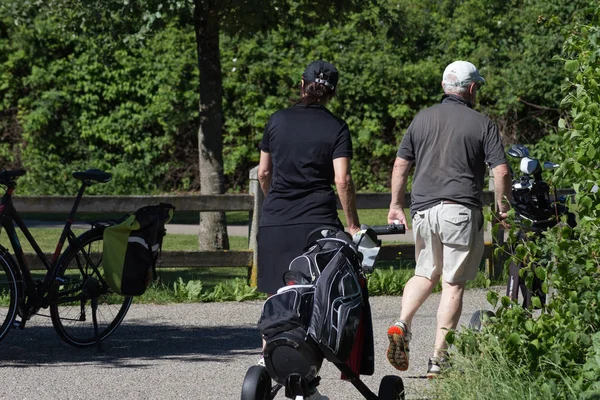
(252, 203)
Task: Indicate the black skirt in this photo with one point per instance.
(277, 247)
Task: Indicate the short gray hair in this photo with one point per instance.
(450, 85)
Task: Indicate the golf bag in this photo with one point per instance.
(318, 314)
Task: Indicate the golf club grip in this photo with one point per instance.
(390, 229)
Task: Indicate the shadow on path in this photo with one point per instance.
(131, 346)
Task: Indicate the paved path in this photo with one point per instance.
(188, 351)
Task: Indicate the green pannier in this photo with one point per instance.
(131, 248)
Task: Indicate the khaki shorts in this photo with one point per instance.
(448, 242)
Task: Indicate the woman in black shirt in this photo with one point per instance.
(304, 151)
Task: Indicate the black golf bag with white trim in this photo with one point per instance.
(317, 315)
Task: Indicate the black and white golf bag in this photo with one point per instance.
(317, 315)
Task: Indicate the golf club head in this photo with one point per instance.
(529, 165)
(550, 165)
(518, 151)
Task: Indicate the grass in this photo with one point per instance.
(490, 376)
(375, 217)
(181, 242)
(47, 238)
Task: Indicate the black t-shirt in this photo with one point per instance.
(303, 142)
(451, 145)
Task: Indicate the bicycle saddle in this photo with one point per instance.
(93, 175)
(8, 176)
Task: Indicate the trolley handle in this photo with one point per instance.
(390, 229)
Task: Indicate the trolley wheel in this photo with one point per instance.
(257, 384)
(479, 318)
(391, 388)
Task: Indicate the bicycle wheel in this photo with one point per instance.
(79, 278)
(9, 293)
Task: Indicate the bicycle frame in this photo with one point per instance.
(37, 295)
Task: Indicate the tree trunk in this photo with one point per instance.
(213, 226)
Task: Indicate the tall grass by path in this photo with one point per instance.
(491, 375)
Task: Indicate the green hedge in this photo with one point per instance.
(74, 97)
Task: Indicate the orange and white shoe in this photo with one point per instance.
(398, 351)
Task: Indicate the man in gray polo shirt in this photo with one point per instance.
(450, 145)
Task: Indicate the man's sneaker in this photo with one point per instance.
(317, 396)
(435, 366)
(261, 361)
(398, 352)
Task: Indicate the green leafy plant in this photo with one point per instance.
(388, 281)
(231, 290)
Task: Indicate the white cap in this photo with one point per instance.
(465, 73)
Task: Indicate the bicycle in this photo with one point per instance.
(73, 287)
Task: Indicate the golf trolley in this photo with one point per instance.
(536, 209)
(322, 312)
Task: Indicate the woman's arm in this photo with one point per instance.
(265, 168)
(346, 193)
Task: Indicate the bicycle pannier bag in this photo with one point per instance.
(131, 248)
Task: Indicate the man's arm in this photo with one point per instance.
(502, 190)
(399, 180)
(265, 168)
(346, 192)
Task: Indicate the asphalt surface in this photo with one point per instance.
(190, 351)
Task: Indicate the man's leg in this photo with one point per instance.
(428, 251)
(416, 291)
(448, 314)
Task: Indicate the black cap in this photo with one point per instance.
(321, 72)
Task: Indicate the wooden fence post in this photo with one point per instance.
(259, 197)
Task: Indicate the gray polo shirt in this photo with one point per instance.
(451, 144)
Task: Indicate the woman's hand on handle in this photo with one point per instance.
(353, 229)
